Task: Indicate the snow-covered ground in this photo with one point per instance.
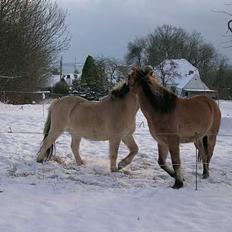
(64, 197)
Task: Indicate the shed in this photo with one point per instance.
(182, 78)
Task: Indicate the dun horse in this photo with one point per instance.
(112, 118)
(174, 120)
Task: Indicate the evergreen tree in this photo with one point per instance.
(61, 87)
(93, 77)
(89, 72)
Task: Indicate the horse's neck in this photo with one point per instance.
(126, 103)
(155, 98)
(144, 104)
(132, 100)
(129, 103)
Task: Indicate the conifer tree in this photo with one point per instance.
(93, 76)
(89, 72)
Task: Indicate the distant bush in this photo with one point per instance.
(61, 87)
(88, 94)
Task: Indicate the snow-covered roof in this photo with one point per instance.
(200, 90)
(70, 77)
(194, 83)
(180, 73)
(184, 81)
(52, 80)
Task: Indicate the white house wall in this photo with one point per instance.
(195, 83)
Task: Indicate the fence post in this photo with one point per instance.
(196, 169)
(44, 97)
(196, 165)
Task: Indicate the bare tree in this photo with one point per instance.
(114, 69)
(135, 52)
(229, 25)
(32, 33)
(170, 42)
(166, 42)
(110, 66)
(166, 72)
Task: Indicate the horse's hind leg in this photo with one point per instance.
(211, 141)
(163, 153)
(174, 150)
(133, 148)
(47, 144)
(202, 146)
(75, 144)
(114, 146)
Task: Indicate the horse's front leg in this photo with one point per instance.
(174, 150)
(75, 145)
(163, 153)
(133, 148)
(114, 146)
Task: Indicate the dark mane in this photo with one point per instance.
(162, 100)
(120, 91)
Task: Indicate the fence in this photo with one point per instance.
(44, 95)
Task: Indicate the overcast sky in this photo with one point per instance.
(104, 27)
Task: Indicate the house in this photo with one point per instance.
(182, 78)
(70, 77)
(54, 79)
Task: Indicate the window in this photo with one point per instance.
(173, 89)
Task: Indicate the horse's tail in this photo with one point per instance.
(205, 144)
(47, 126)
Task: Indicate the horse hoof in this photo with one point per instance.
(205, 175)
(178, 184)
(114, 169)
(81, 163)
(121, 165)
(39, 161)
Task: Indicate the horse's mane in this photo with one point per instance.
(162, 100)
(120, 90)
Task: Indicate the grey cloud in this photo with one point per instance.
(101, 27)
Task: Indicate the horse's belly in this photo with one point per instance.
(191, 137)
(102, 132)
(96, 138)
(188, 139)
(190, 133)
(92, 134)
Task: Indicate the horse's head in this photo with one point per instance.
(136, 75)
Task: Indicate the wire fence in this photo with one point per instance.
(45, 95)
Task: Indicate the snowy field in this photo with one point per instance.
(64, 197)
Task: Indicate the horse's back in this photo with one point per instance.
(200, 114)
(213, 108)
(199, 104)
(70, 100)
(104, 119)
(61, 109)
(216, 115)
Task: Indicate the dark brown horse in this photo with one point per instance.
(174, 120)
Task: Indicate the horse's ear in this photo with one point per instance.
(112, 95)
(135, 69)
(148, 70)
(130, 80)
